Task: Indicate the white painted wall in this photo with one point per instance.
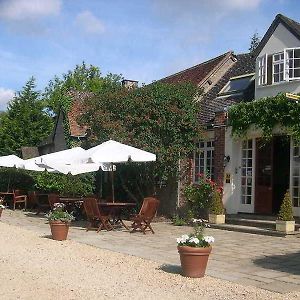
(280, 39)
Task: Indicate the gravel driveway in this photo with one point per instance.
(37, 267)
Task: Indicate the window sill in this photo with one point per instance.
(277, 83)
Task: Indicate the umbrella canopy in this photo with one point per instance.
(10, 161)
(70, 161)
(29, 164)
(115, 152)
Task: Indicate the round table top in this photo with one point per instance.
(116, 204)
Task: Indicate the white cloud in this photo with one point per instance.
(5, 96)
(89, 23)
(19, 10)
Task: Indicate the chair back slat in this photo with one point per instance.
(91, 208)
(149, 207)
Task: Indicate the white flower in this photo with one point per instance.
(194, 240)
(209, 239)
(184, 238)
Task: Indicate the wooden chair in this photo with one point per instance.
(19, 197)
(97, 219)
(143, 220)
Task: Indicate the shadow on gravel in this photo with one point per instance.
(173, 269)
(289, 263)
(47, 236)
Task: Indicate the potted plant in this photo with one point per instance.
(194, 250)
(59, 221)
(216, 208)
(199, 195)
(1, 206)
(285, 222)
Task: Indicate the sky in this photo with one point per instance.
(143, 40)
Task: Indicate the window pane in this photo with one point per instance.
(297, 53)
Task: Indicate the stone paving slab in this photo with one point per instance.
(271, 263)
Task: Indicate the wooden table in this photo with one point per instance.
(114, 209)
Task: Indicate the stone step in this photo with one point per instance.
(253, 230)
(251, 222)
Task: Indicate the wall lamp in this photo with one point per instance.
(226, 160)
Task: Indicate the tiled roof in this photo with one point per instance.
(198, 73)
(76, 111)
(210, 103)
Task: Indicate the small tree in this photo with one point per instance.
(286, 209)
(255, 40)
(216, 205)
(26, 123)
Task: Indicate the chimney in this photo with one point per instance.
(130, 84)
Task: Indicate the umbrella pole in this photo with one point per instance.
(112, 183)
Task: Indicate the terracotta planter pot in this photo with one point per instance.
(193, 260)
(59, 230)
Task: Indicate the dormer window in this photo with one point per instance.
(279, 67)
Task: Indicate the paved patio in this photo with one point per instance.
(271, 263)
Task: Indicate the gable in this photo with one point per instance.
(281, 38)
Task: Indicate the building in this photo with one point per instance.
(259, 173)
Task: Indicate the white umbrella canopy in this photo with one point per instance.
(29, 164)
(10, 161)
(115, 152)
(70, 161)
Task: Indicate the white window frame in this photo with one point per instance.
(262, 69)
(287, 69)
(202, 152)
(279, 63)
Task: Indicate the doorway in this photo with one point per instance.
(272, 174)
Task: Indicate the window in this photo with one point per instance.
(237, 84)
(262, 70)
(278, 67)
(204, 159)
(292, 63)
(247, 172)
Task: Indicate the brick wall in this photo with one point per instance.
(219, 151)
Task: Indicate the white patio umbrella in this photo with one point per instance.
(115, 152)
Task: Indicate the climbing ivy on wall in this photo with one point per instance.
(265, 114)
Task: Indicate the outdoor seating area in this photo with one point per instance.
(99, 213)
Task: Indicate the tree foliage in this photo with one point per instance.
(255, 40)
(160, 118)
(84, 77)
(25, 123)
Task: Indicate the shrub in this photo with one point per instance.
(216, 205)
(79, 185)
(286, 209)
(178, 221)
